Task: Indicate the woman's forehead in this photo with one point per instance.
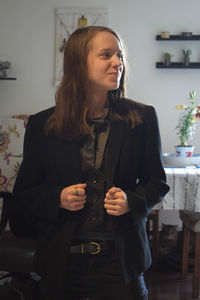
(105, 40)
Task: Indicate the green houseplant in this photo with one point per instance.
(186, 56)
(187, 121)
(167, 58)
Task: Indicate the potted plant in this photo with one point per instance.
(167, 59)
(186, 125)
(186, 56)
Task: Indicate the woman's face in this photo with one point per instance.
(105, 62)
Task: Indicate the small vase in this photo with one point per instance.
(186, 61)
(184, 151)
(167, 61)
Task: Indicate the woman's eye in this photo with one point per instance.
(105, 55)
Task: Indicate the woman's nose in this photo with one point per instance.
(117, 61)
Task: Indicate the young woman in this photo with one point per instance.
(91, 174)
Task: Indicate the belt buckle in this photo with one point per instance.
(98, 248)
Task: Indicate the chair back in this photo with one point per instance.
(11, 150)
(12, 130)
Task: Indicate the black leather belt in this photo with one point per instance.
(94, 248)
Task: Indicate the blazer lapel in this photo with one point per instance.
(115, 141)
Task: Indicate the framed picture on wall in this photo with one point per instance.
(69, 19)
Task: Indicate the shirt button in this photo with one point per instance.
(94, 181)
(94, 219)
(94, 198)
(116, 226)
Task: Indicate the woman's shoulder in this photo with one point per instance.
(127, 107)
(38, 120)
(136, 105)
(43, 115)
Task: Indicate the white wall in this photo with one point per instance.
(27, 39)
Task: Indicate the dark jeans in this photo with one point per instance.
(89, 277)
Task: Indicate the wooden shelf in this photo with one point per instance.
(178, 65)
(179, 38)
(8, 78)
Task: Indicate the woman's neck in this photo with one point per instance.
(96, 106)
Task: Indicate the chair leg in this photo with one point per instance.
(155, 241)
(185, 252)
(196, 274)
(153, 219)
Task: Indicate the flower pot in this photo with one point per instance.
(167, 61)
(184, 151)
(186, 61)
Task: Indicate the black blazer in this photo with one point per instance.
(50, 164)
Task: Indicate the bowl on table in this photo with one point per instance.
(170, 159)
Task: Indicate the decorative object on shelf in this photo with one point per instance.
(165, 35)
(187, 123)
(186, 56)
(4, 66)
(69, 19)
(186, 34)
(167, 59)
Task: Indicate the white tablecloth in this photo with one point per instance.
(184, 191)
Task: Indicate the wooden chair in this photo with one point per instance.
(152, 227)
(191, 225)
(16, 253)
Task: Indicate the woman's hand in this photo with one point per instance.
(73, 197)
(116, 203)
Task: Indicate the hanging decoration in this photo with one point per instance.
(82, 22)
(69, 19)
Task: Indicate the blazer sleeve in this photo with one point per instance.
(151, 186)
(30, 190)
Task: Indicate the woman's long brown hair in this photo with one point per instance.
(69, 120)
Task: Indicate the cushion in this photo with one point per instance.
(191, 220)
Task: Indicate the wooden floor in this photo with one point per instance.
(162, 286)
(168, 286)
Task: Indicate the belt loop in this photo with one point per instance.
(82, 248)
